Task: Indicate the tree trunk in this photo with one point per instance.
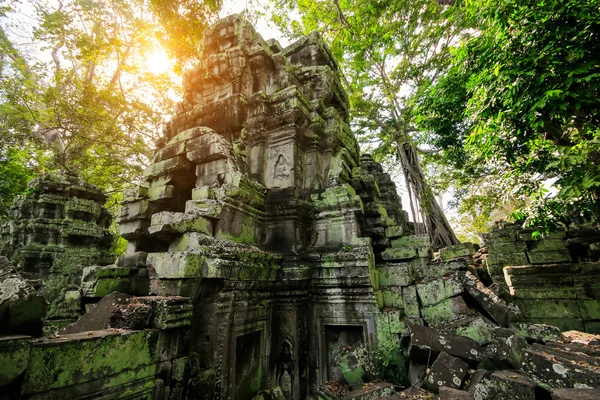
(436, 224)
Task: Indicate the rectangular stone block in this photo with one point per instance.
(457, 251)
(549, 257)
(169, 152)
(506, 247)
(132, 229)
(425, 341)
(161, 192)
(444, 312)
(547, 308)
(207, 153)
(487, 299)
(393, 231)
(206, 208)
(547, 245)
(130, 357)
(504, 259)
(392, 297)
(446, 371)
(412, 241)
(177, 163)
(173, 222)
(175, 265)
(399, 253)
(396, 274)
(440, 289)
(411, 303)
(134, 192)
(589, 308)
(188, 134)
(133, 260)
(135, 210)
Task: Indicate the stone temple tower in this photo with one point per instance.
(259, 206)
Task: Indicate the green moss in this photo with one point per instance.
(55, 363)
(14, 357)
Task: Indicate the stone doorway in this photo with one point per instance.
(248, 365)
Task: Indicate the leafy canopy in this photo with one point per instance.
(520, 104)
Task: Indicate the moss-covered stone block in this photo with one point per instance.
(433, 292)
(173, 265)
(121, 357)
(394, 231)
(411, 303)
(505, 247)
(161, 192)
(170, 165)
(399, 253)
(14, 357)
(548, 308)
(547, 245)
(549, 257)
(457, 251)
(392, 297)
(397, 274)
(412, 241)
(446, 311)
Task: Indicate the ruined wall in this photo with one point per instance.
(552, 279)
(264, 250)
(52, 232)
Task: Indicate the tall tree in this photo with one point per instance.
(387, 50)
(522, 98)
(79, 82)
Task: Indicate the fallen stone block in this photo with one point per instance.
(447, 393)
(438, 290)
(487, 299)
(477, 328)
(446, 311)
(502, 385)
(560, 369)
(461, 250)
(371, 391)
(21, 306)
(575, 394)
(14, 357)
(97, 318)
(505, 349)
(538, 332)
(426, 343)
(446, 371)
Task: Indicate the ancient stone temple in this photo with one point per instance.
(261, 210)
(53, 232)
(268, 259)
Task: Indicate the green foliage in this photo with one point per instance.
(520, 105)
(183, 23)
(86, 90)
(16, 169)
